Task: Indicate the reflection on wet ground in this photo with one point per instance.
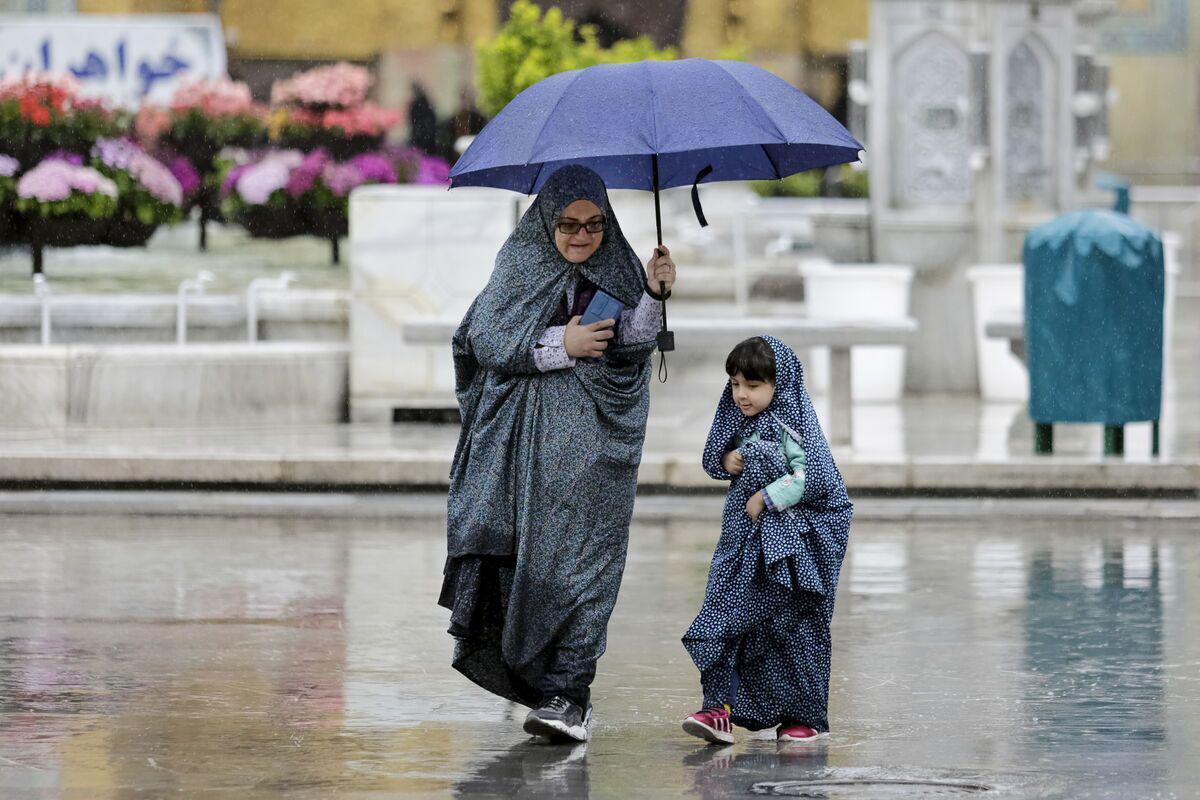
(221, 657)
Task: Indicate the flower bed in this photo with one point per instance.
(252, 195)
(75, 171)
(63, 204)
(68, 178)
(339, 85)
(326, 108)
(8, 195)
(42, 114)
(202, 118)
(279, 193)
(148, 194)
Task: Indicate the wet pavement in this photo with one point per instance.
(210, 657)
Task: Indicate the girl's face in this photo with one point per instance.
(571, 234)
(751, 396)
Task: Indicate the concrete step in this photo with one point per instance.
(649, 508)
(660, 471)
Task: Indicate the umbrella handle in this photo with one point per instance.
(665, 338)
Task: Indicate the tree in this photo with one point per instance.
(532, 46)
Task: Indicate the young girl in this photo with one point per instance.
(761, 639)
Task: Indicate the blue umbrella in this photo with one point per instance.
(653, 125)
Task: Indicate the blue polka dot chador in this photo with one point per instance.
(761, 639)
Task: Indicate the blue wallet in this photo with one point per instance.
(603, 306)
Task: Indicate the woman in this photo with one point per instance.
(543, 479)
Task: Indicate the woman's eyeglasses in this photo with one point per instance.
(569, 227)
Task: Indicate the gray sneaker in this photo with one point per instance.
(559, 718)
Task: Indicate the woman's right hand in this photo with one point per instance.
(733, 462)
(587, 341)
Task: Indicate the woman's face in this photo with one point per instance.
(579, 243)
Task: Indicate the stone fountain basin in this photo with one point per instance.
(169, 385)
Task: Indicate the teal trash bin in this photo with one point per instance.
(1094, 290)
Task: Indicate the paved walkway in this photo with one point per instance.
(306, 658)
(173, 255)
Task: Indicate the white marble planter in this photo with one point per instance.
(148, 385)
(415, 251)
(426, 251)
(1172, 266)
(860, 292)
(998, 289)
(839, 227)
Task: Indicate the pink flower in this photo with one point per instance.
(186, 174)
(375, 168)
(149, 172)
(416, 166)
(231, 179)
(67, 156)
(154, 176)
(59, 82)
(89, 181)
(214, 97)
(339, 85)
(259, 181)
(47, 182)
(8, 166)
(55, 180)
(343, 178)
(432, 170)
(151, 123)
(305, 175)
(115, 153)
(368, 119)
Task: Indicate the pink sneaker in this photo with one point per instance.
(710, 724)
(795, 732)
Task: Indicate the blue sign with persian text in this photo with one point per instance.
(123, 59)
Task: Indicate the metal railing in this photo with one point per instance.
(42, 290)
(257, 286)
(187, 288)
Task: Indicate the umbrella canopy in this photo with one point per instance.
(670, 119)
(653, 125)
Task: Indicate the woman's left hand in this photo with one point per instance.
(755, 505)
(660, 269)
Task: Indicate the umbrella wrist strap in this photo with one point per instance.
(666, 339)
(657, 296)
(701, 175)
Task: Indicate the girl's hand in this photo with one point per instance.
(660, 269)
(733, 462)
(587, 341)
(755, 505)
